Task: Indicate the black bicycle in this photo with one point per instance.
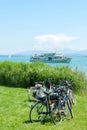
(41, 109)
(62, 103)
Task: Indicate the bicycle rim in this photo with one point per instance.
(55, 115)
(36, 111)
(72, 97)
(69, 111)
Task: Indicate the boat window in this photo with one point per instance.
(50, 58)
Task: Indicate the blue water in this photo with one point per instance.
(79, 62)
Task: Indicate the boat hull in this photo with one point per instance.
(52, 61)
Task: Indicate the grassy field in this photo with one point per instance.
(14, 112)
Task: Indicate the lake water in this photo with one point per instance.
(79, 62)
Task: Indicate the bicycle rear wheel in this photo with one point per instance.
(54, 113)
(36, 112)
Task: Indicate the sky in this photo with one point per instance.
(42, 25)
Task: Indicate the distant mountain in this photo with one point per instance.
(83, 52)
(65, 52)
(29, 53)
(75, 53)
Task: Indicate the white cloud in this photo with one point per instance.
(55, 38)
(51, 42)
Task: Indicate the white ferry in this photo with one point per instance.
(50, 58)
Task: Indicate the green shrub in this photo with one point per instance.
(26, 74)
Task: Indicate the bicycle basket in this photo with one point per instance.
(42, 98)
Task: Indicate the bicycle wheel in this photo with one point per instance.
(36, 112)
(54, 113)
(71, 97)
(61, 110)
(68, 110)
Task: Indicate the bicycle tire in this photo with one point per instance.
(69, 110)
(36, 112)
(72, 97)
(54, 113)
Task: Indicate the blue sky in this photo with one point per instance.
(42, 25)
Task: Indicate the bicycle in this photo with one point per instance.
(41, 108)
(63, 103)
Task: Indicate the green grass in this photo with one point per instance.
(14, 112)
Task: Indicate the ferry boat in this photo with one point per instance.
(50, 58)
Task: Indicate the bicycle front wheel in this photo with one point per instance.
(71, 97)
(36, 112)
(69, 111)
